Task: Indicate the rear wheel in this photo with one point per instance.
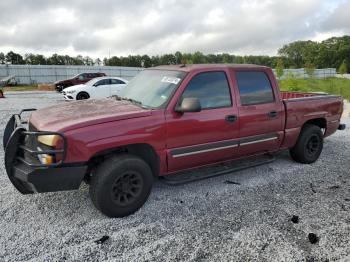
(121, 185)
(309, 145)
(82, 96)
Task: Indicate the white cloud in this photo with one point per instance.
(94, 28)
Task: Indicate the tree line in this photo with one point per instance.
(333, 52)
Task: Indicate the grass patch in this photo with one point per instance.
(333, 85)
(20, 88)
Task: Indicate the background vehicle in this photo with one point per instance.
(170, 121)
(100, 87)
(77, 80)
(8, 81)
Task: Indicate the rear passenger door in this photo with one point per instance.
(260, 112)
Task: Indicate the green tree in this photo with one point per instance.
(343, 69)
(14, 58)
(2, 58)
(300, 52)
(198, 58)
(279, 68)
(146, 60)
(178, 57)
(113, 61)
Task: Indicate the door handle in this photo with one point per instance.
(231, 118)
(272, 114)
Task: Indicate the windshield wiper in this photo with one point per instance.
(136, 102)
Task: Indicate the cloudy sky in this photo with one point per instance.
(121, 27)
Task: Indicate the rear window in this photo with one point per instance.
(254, 88)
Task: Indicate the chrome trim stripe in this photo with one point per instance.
(258, 141)
(204, 151)
(198, 149)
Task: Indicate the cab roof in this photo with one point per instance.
(191, 67)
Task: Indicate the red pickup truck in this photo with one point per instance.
(170, 122)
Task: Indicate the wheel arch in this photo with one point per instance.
(82, 92)
(142, 150)
(320, 122)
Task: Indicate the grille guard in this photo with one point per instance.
(14, 137)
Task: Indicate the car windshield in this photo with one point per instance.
(92, 81)
(152, 88)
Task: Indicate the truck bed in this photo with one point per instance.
(300, 108)
(292, 95)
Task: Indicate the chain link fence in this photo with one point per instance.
(301, 73)
(40, 74)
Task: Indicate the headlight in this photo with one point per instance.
(44, 158)
(70, 92)
(49, 140)
(47, 143)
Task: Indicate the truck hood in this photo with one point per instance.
(68, 116)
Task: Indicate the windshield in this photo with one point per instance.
(93, 81)
(152, 88)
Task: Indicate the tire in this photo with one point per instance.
(82, 96)
(121, 185)
(309, 145)
(1, 94)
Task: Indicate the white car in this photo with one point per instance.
(100, 87)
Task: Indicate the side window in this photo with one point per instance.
(116, 82)
(254, 88)
(102, 82)
(81, 76)
(211, 89)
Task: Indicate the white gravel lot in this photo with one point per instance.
(207, 220)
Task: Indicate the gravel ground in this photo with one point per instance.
(207, 220)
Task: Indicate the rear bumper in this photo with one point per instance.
(25, 171)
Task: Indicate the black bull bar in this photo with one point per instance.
(26, 172)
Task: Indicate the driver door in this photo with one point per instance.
(116, 86)
(101, 89)
(205, 137)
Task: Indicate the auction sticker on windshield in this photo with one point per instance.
(172, 80)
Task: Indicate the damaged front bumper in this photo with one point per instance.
(23, 166)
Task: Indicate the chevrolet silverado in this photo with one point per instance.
(170, 122)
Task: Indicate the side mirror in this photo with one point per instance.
(189, 104)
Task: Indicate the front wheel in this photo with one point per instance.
(83, 96)
(121, 185)
(309, 145)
